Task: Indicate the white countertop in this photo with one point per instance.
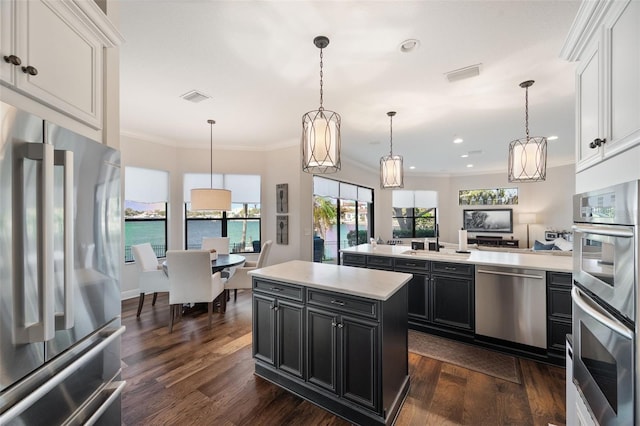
(370, 283)
(546, 262)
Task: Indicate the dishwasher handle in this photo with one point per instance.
(510, 274)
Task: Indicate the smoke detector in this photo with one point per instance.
(463, 73)
(195, 96)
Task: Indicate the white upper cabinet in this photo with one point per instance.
(605, 39)
(52, 51)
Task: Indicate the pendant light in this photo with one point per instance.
(391, 171)
(321, 132)
(210, 198)
(528, 156)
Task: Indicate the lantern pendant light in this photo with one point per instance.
(210, 198)
(528, 156)
(321, 132)
(391, 171)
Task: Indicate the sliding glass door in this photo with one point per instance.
(342, 217)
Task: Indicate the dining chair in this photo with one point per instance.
(151, 277)
(241, 279)
(221, 246)
(191, 281)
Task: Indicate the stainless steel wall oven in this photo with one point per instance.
(605, 295)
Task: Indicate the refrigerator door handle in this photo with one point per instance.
(43, 328)
(115, 390)
(65, 319)
(33, 397)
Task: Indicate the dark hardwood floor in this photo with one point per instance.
(197, 376)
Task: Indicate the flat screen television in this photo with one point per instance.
(488, 220)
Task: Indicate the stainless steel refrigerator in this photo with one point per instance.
(60, 245)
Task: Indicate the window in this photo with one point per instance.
(342, 217)
(414, 214)
(242, 224)
(145, 210)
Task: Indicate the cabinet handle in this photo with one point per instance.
(333, 324)
(411, 264)
(340, 325)
(275, 308)
(597, 143)
(276, 289)
(337, 302)
(30, 70)
(449, 268)
(13, 60)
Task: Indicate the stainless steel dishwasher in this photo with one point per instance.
(511, 304)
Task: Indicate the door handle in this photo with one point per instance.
(510, 274)
(600, 315)
(42, 328)
(65, 319)
(608, 231)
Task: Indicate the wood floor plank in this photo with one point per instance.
(202, 376)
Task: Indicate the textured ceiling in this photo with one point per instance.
(257, 61)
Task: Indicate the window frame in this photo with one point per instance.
(413, 218)
(129, 259)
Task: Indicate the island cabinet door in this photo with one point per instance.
(419, 297)
(452, 302)
(321, 348)
(264, 328)
(359, 361)
(289, 337)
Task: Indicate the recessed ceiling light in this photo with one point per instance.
(412, 167)
(409, 45)
(195, 96)
(464, 155)
(552, 138)
(458, 140)
(469, 165)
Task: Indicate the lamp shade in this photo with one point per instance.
(210, 199)
(528, 160)
(321, 142)
(391, 174)
(527, 218)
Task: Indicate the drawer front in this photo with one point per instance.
(452, 268)
(289, 291)
(343, 303)
(412, 265)
(378, 262)
(557, 337)
(349, 259)
(559, 279)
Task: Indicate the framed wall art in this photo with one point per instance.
(488, 220)
(479, 197)
(282, 198)
(282, 231)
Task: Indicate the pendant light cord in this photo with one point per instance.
(391, 134)
(321, 75)
(211, 122)
(526, 111)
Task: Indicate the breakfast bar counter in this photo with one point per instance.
(334, 335)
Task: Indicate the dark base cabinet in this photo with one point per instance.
(345, 353)
(558, 315)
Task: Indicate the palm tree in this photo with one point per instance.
(324, 215)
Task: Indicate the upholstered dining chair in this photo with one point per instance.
(151, 277)
(241, 279)
(191, 281)
(221, 245)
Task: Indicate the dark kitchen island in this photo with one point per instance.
(335, 336)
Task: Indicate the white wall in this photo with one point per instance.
(551, 200)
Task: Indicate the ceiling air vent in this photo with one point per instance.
(195, 96)
(462, 73)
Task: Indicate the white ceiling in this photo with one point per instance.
(257, 61)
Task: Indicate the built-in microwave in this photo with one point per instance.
(605, 246)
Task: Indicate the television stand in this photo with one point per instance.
(492, 241)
